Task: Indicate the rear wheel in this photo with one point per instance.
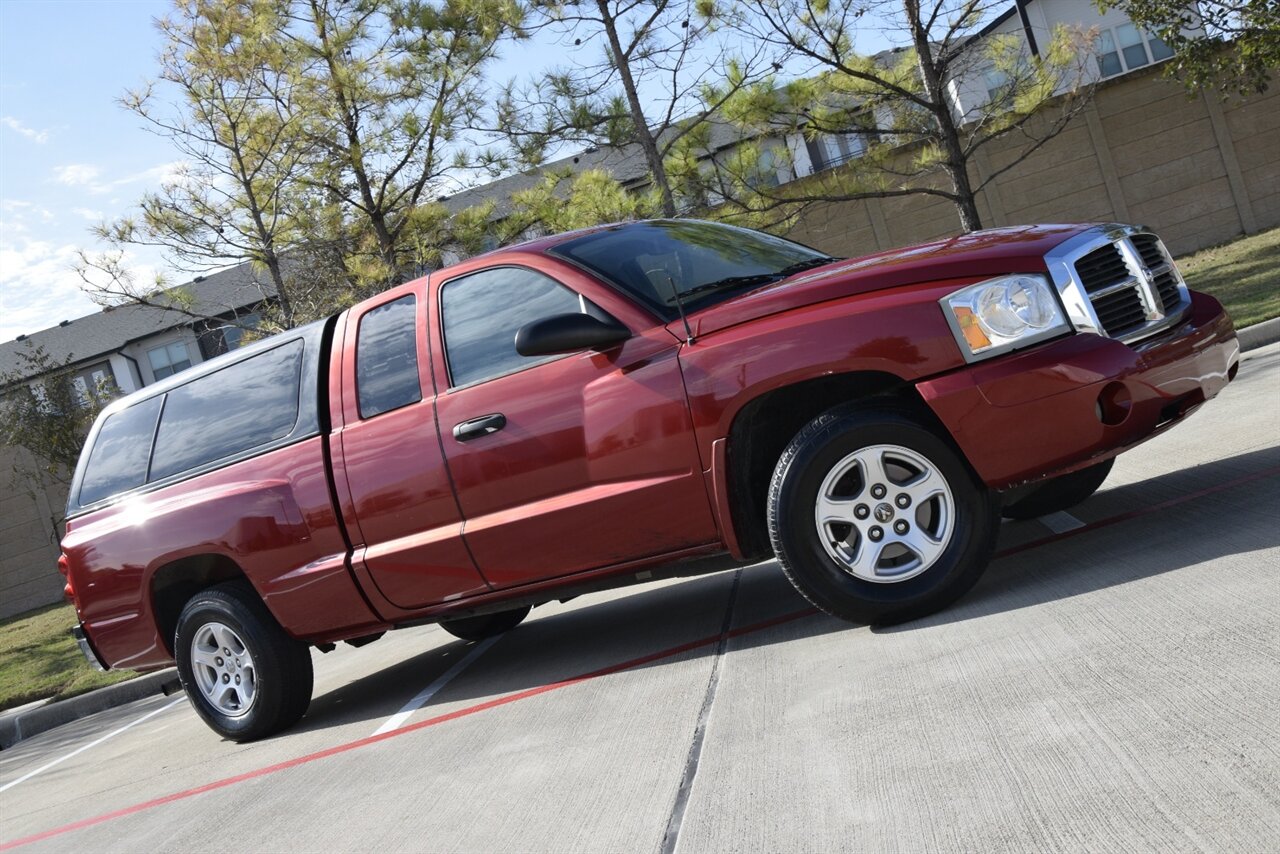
(485, 625)
(1059, 493)
(877, 520)
(244, 675)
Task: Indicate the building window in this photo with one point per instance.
(234, 336)
(997, 84)
(95, 384)
(1126, 47)
(765, 172)
(829, 150)
(169, 359)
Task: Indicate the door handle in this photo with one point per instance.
(477, 427)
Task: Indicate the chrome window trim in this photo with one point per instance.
(1061, 261)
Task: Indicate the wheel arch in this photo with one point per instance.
(763, 427)
(173, 584)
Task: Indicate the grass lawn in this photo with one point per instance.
(1244, 275)
(39, 658)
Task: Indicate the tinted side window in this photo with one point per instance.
(235, 409)
(482, 312)
(118, 460)
(387, 358)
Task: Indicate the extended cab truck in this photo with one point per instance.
(627, 402)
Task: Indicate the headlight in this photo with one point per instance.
(1002, 314)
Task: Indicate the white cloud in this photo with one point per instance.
(174, 172)
(76, 174)
(86, 175)
(38, 283)
(39, 286)
(89, 214)
(37, 136)
(17, 213)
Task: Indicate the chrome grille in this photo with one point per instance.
(1120, 311)
(1118, 281)
(1167, 286)
(1164, 277)
(1148, 248)
(1102, 268)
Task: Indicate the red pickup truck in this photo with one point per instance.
(624, 403)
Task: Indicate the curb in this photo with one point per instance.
(1259, 334)
(34, 718)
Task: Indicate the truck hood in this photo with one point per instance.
(982, 254)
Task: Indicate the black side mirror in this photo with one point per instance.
(567, 333)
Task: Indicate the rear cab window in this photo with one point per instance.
(233, 410)
(118, 461)
(255, 402)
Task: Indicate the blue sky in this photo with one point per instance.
(69, 156)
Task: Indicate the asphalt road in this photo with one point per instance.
(1108, 687)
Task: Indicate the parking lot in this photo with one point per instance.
(1113, 683)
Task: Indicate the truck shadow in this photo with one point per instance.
(563, 644)
(566, 643)
(1196, 531)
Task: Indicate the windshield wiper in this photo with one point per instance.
(732, 282)
(759, 278)
(801, 266)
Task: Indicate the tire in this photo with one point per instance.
(1059, 493)
(950, 517)
(274, 669)
(485, 625)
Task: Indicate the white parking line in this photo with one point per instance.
(1061, 522)
(80, 750)
(423, 696)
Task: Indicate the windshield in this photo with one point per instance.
(704, 261)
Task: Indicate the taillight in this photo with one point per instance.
(64, 566)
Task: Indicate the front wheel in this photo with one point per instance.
(244, 675)
(875, 519)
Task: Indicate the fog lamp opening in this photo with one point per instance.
(1114, 404)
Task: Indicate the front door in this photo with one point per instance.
(561, 463)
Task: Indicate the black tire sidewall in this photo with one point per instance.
(812, 454)
(282, 665)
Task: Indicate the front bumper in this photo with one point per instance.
(1079, 400)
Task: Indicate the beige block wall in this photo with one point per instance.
(28, 542)
(1199, 172)
(1255, 132)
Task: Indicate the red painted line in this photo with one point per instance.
(594, 674)
(374, 739)
(1144, 511)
